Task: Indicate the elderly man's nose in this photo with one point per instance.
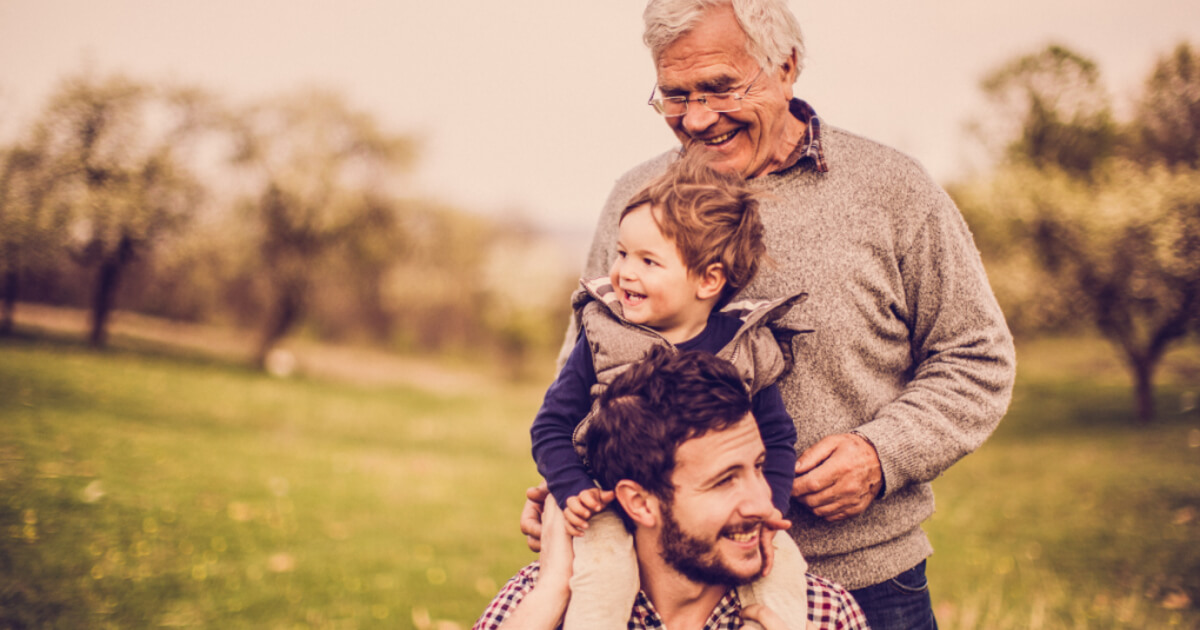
(698, 118)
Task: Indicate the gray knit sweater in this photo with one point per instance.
(910, 349)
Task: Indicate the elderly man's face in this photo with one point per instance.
(712, 527)
(712, 58)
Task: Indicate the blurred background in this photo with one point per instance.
(387, 204)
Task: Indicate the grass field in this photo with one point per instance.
(139, 489)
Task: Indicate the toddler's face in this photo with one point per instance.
(655, 287)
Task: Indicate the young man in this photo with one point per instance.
(675, 441)
(911, 364)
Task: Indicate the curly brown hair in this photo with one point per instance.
(712, 217)
(652, 408)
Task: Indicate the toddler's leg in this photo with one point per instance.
(604, 581)
(785, 590)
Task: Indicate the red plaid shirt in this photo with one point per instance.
(830, 607)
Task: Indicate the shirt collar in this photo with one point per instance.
(809, 153)
(727, 615)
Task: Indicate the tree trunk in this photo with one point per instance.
(1143, 383)
(108, 278)
(9, 308)
(286, 313)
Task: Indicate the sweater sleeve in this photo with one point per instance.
(963, 357)
(566, 404)
(779, 438)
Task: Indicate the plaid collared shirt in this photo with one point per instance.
(830, 607)
(809, 147)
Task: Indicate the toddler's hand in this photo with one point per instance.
(583, 506)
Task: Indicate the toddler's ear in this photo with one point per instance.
(712, 282)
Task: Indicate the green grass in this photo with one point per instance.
(142, 490)
(1071, 516)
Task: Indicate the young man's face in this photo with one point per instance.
(712, 57)
(655, 287)
(712, 527)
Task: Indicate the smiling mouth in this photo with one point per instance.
(721, 139)
(750, 535)
(633, 298)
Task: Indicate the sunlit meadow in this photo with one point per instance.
(140, 489)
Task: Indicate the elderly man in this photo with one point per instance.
(674, 439)
(911, 364)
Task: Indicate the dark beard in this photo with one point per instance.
(695, 558)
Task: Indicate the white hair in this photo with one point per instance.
(772, 31)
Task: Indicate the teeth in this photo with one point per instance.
(719, 139)
(745, 537)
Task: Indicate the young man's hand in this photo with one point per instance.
(765, 617)
(766, 541)
(544, 606)
(531, 515)
(583, 506)
(557, 554)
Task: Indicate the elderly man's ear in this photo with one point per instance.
(638, 503)
(789, 71)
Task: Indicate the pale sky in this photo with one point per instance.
(537, 106)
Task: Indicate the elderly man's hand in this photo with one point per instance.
(838, 477)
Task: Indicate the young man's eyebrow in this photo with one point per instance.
(713, 479)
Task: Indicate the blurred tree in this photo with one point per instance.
(435, 288)
(112, 148)
(1120, 238)
(1051, 110)
(318, 183)
(1125, 244)
(30, 227)
(1168, 116)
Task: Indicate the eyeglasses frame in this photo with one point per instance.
(701, 98)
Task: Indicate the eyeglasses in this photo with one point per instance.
(717, 102)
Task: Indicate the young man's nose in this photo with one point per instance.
(757, 501)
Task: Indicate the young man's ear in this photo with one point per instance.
(712, 282)
(638, 503)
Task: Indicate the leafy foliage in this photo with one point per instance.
(31, 228)
(108, 152)
(1053, 111)
(1091, 220)
(317, 174)
(1168, 115)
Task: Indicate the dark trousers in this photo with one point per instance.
(901, 603)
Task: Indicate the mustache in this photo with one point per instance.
(743, 527)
